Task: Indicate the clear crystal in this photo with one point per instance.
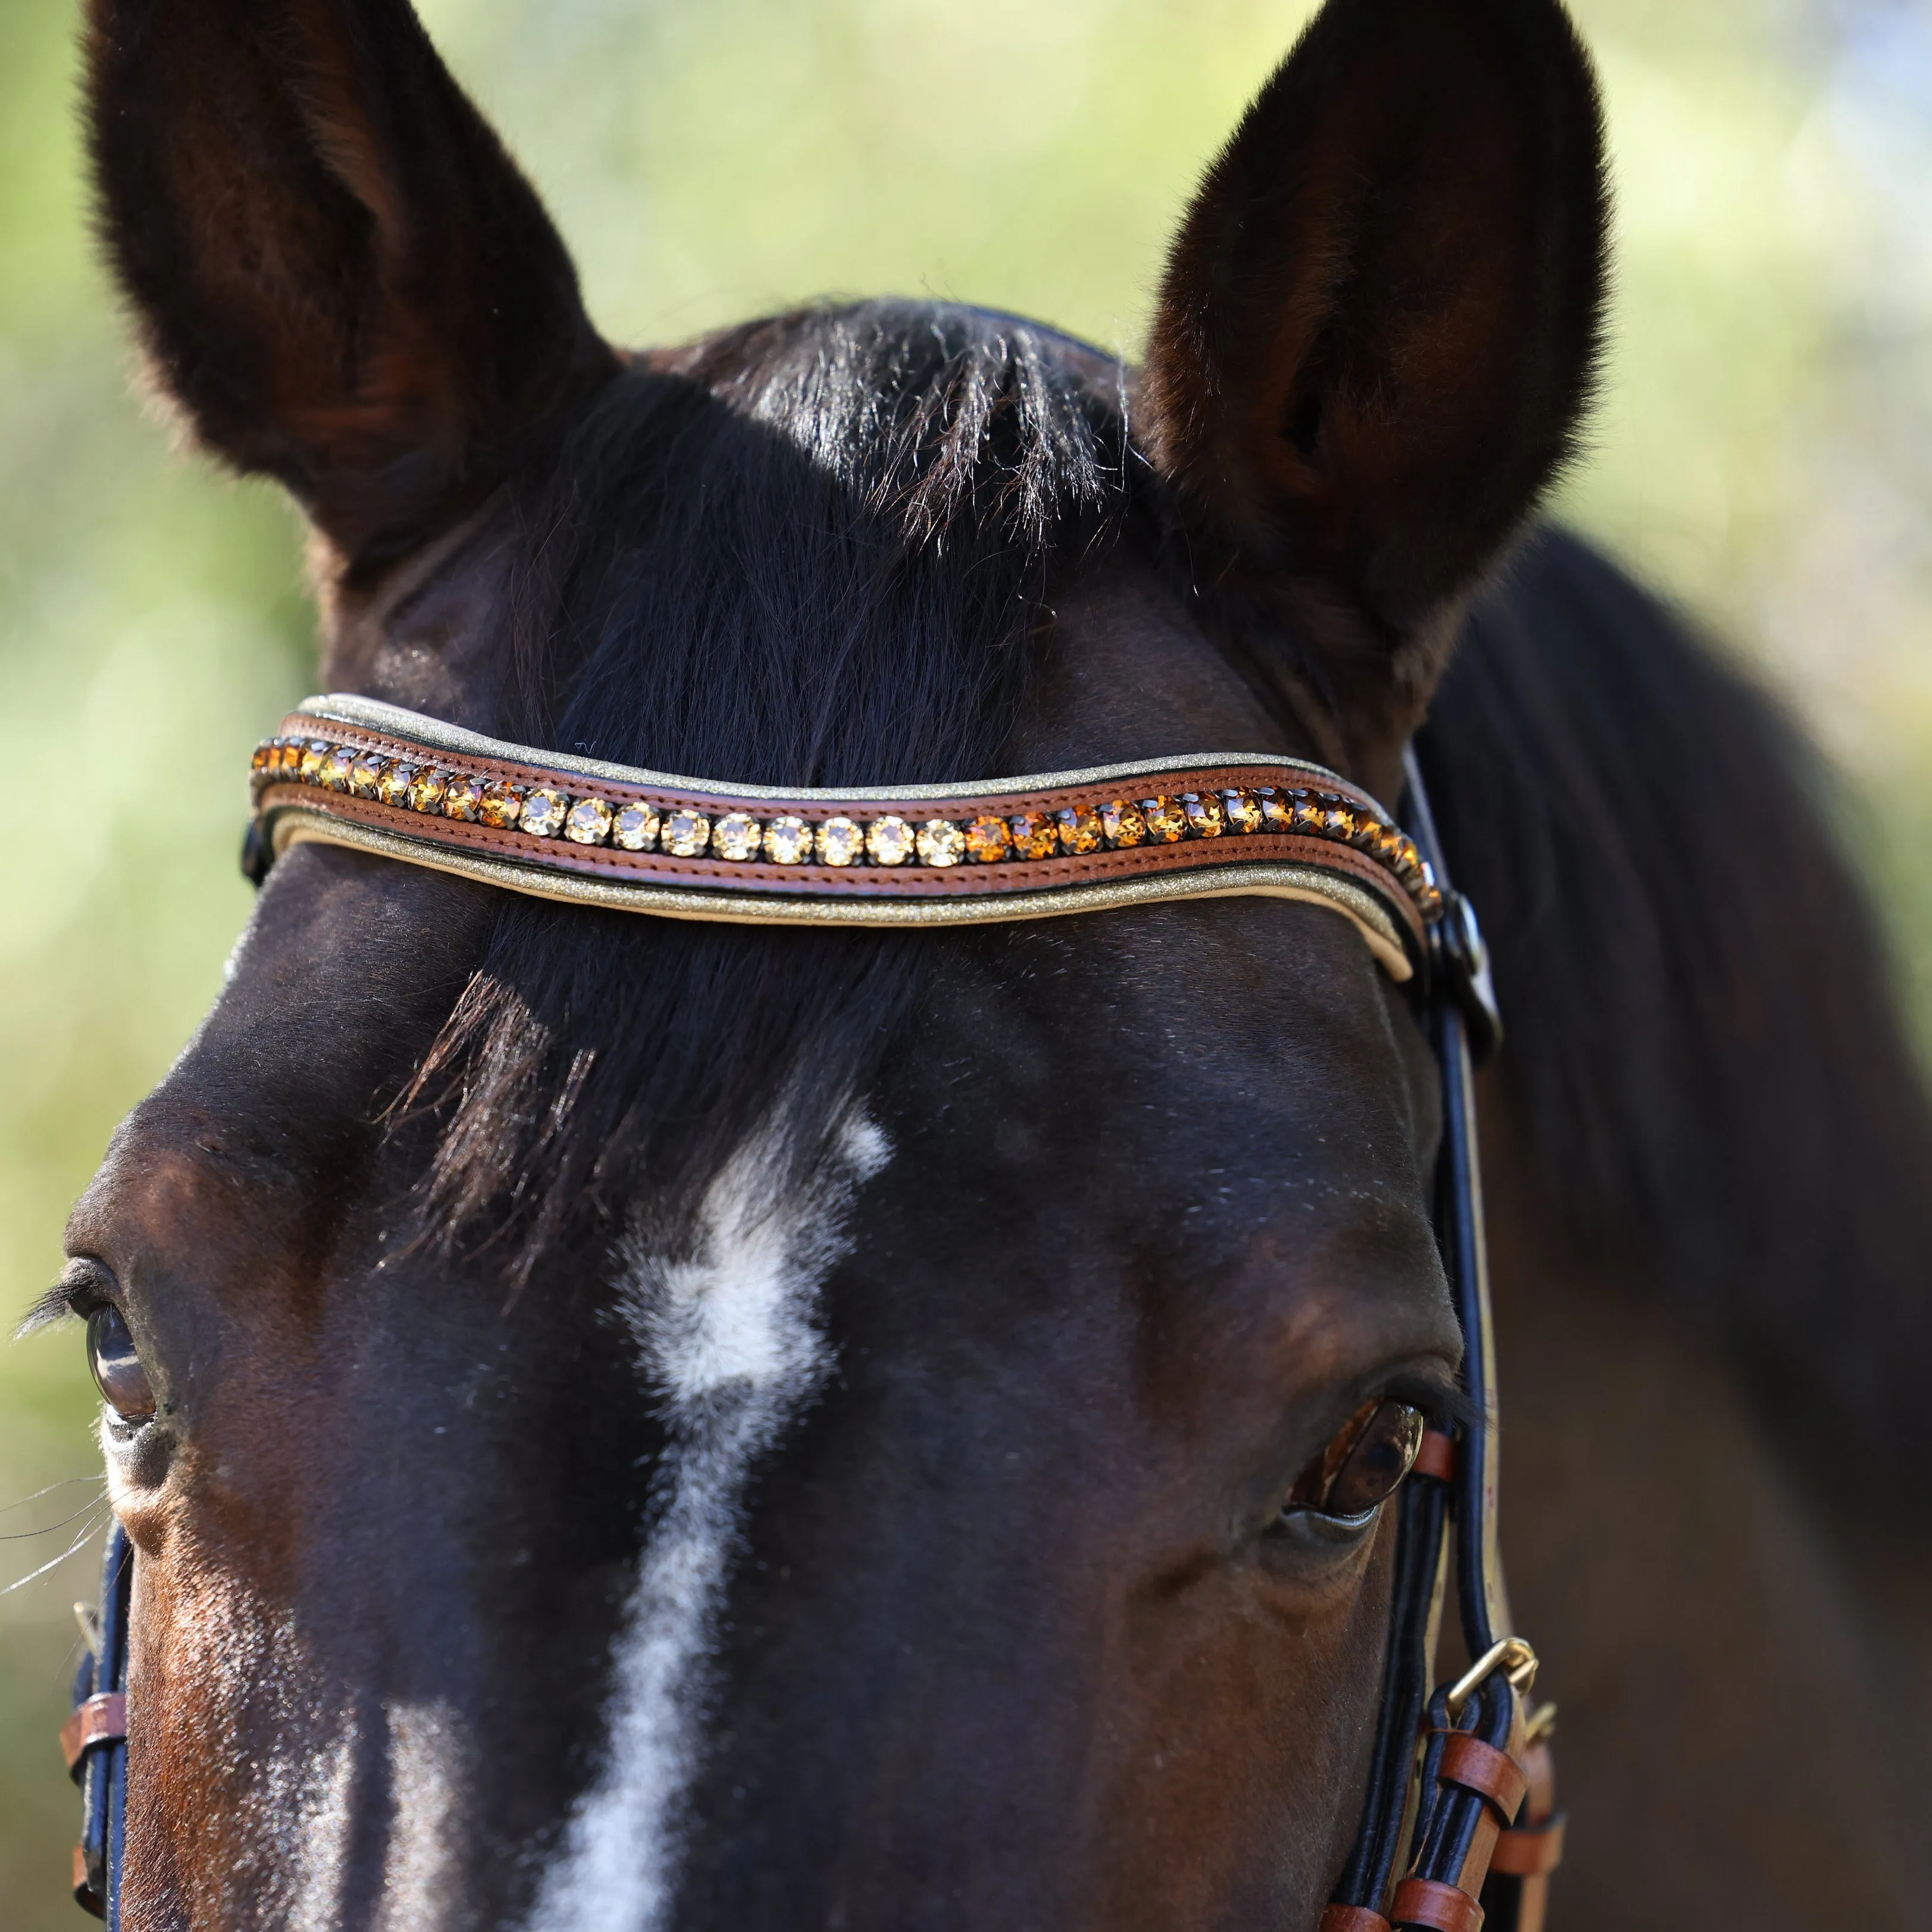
(589, 823)
(544, 812)
(940, 843)
(685, 833)
(889, 842)
(737, 835)
(841, 841)
(788, 841)
(635, 827)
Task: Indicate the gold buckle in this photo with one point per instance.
(1510, 1654)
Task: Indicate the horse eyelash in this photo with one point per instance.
(1444, 1405)
(50, 1310)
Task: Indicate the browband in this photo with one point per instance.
(351, 771)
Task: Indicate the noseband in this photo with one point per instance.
(1460, 1800)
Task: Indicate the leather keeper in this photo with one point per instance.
(1531, 1851)
(85, 1896)
(1441, 1908)
(1352, 1919)
(1437, 1456)
(99, 1720)
(1493, 1774)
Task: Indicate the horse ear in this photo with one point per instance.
(1379, 327)
(338, 273)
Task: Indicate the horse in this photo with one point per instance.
(627, 1424)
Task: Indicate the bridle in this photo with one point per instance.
(1460, 1798)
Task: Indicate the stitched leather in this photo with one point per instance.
(1285, 862)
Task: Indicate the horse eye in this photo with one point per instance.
(117, 1371)
(1364, 1464)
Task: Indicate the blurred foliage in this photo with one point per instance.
(1763, 449)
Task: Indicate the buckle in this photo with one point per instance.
(1511, 1656)
(1462, 958)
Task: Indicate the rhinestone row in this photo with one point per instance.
(685, 832)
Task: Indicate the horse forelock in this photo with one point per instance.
(810, 550)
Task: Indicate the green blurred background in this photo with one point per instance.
(1764, 451)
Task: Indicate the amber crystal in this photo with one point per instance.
(1306, 814)
(986, 840)
(1205, 817)
(393, 786)
(263, 755)
(1034, 835)
(1408, 859)
(1276, 814)
(1166, 820)
(1337, 820)
(841, 842)
(940, 843)
(543, 811)
(635, 827)
(290, 764)
(1243, 811)
(685, 833)
(313, 754)
(334, 775)
(501, 806)
(1079, 829)
(1122, 823)
(1387, 847)
(587, 824)
(462, 796)
(366, 774)
(737, 835)
(889, 842)
(788, 841)
(426, 791)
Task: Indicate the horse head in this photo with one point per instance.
(626, 1424)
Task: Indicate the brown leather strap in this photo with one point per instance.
(1529, 1851)
(1352, 1919)
(558, 827)
(1481, 1768)
(85, 1896)
(99, 1720)
(1443, 1908)
(1437, 1456)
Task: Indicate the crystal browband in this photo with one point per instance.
(350, 771)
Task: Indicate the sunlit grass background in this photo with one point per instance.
(1764, 451)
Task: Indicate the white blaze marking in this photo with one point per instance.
(731, 1338)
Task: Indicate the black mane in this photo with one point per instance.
(1705, 1041)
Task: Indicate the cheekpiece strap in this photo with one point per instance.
(349, 771)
